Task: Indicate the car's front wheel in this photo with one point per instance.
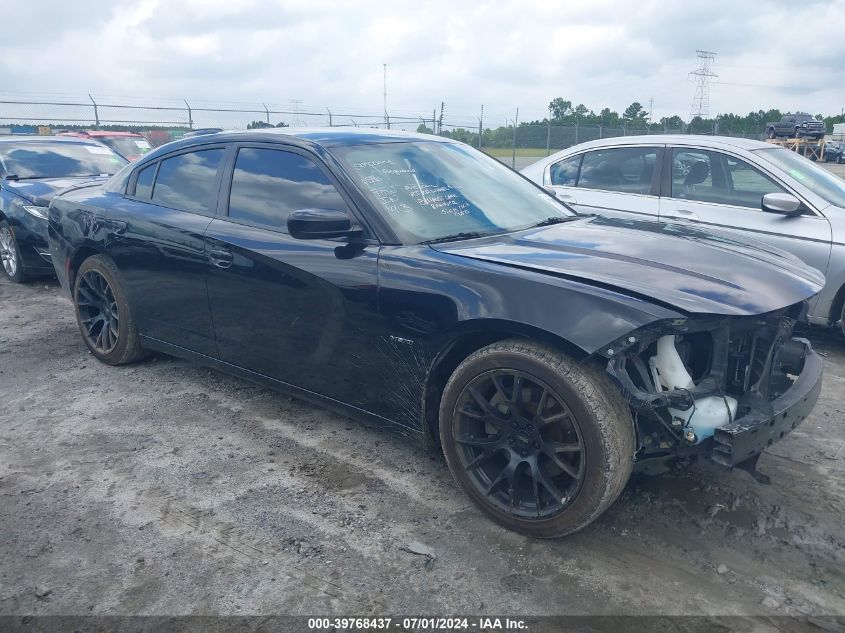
(542, 444)
(10, 255)
(771, 133)
(103, 313)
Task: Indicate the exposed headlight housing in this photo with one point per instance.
(38, 212)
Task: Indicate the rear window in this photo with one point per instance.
(130, 147)
(58, 160)
(187, 181)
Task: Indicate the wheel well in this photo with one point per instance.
(459, 349)
(76, 260)
(836, 306)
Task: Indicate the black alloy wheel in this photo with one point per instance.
(98, 312)
(519, 443)
(541, 443)
(105, 318)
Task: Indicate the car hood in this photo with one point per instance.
(683, 267)
(40, 192)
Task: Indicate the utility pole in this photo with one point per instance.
(296, 103)
(386, 118)
(440, 124)
(190, 115)
(480, 126)
(548, 132)
(703, 74)
(96, 113)
(267, 112)
(515, 122)
(650, 109)
(330, 116)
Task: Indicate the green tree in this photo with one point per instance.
(560, 108)
(634, 113)
(257, 125)
(422, 129)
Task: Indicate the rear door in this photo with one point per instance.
(613, 182)
(159, 245)
(718, 190)
(301, 311)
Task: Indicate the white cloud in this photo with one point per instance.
(502, 54)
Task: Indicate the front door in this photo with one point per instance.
(720, 191)
(301, 311)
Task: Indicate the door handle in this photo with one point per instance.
(220, 257)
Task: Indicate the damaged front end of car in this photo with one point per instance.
(727, 387)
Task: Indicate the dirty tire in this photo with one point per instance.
(842, 319)
(13, 268)
(127, 346)
(601, 419)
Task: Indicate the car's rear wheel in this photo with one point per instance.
(10, 255)
(103, 313)
(542, 444)
(771, 133)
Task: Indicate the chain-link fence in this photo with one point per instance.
(170, 118)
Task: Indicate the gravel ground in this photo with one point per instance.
(165, 488)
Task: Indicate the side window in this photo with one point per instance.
(748, 185)
(718, 178)
(625, 169)
(565, 172)
(187, 181)
(144, 183)
(692, 175)
(268, 184)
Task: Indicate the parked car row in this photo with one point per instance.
(417, 283)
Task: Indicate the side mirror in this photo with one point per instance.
(315, 224)
(782, 203)
(550, 190)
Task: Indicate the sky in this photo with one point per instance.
(310, 56)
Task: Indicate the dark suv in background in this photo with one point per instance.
(798, 125)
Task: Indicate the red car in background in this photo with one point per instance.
(129, 145)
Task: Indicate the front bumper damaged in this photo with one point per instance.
(751, 434)
(772, 379)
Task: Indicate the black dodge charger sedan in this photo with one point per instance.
(422, 285)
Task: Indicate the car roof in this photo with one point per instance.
(700, 140)
(96, 133)
(318, 136)
(23, 138)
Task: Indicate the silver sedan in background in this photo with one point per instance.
(757, 190)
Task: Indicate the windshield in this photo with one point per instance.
(429, 190)
(820, 181)
(58, 160)
(127, 146)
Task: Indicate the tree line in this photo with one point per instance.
(565, 121)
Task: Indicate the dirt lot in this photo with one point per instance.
(164, 488)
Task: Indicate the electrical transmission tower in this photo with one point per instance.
(703, 74)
